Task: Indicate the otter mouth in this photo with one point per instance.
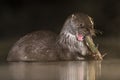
(80, 37)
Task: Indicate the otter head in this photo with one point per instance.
(76, 27)
(79, 25)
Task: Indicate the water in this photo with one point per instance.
(66, 70)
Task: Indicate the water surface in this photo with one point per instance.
(66, 70)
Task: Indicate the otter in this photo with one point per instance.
(49, 46)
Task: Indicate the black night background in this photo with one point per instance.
(19, 17)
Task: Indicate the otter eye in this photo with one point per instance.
(81, 25)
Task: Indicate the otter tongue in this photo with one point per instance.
(80, 37)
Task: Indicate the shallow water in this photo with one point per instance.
(66, 70)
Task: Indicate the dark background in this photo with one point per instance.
(18, 17)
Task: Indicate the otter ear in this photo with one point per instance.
(73, 16)
(91, 20)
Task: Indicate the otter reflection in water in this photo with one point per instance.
(48, 46)
(68, 70)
